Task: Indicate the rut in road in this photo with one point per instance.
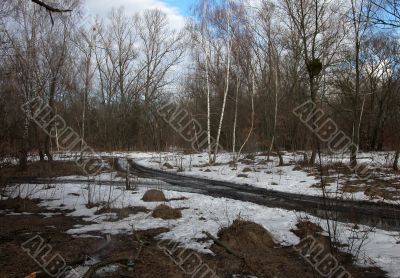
(380, 215)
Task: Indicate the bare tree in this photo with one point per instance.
(162, 49)
(31, 77)
(227, 79)
(50, 8)
(85, 42)
(315, 22)
(117, 63)
(360, 14)
(388, 13)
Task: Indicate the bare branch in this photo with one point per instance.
(50, 8)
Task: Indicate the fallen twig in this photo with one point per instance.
(92, 270)
(222, 244)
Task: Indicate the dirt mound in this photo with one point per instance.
(245, 237)
(154, 195)
(307, 228)
(166, 212)
(168, 166)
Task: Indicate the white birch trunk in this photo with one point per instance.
(208, 106)
(234, 157)
(228, 50)
(276, 108)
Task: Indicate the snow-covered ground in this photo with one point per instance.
(264, 173)
(199, 213)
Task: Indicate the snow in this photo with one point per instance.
(267, 174)
(199, 213)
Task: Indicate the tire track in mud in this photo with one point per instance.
(380, 215)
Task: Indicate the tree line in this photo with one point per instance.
(239, 68)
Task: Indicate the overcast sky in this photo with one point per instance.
(175, 9)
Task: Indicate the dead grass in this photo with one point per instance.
(122, 212)
(165, 212)
(385, 184)
(21, 205)
(154, 195)
(246, 161)
(325, 182)
(306, 228)
(44, 169)
(386, 189)
(244, 236)
(263, 258)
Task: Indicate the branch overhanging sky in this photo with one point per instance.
(176, 10)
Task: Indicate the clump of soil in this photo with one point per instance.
(232, 163)
(261, 256)
(250, 156)
(168, 166)
(242, 176)
(154, 195)
(264, 161)
(122, 212)
(165, 212)
(245, 237)
(246, 161)
(327, 181)
(247, 169)
(309, 232)
(307, 228)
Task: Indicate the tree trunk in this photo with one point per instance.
(357, 46)
(280, 157)
(376, 131)
(235, 121)
(396, 160)
(39, 139)
(51, 105)
(208, 108)
(23, 153)
(276, 109)
(85, 96)
(252, 117)
(225, 93)
(314, 136)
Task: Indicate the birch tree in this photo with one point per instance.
(227, 78)
(315, 23)
(360, 14)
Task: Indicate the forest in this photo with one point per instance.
(234, 138)
(237, 70)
